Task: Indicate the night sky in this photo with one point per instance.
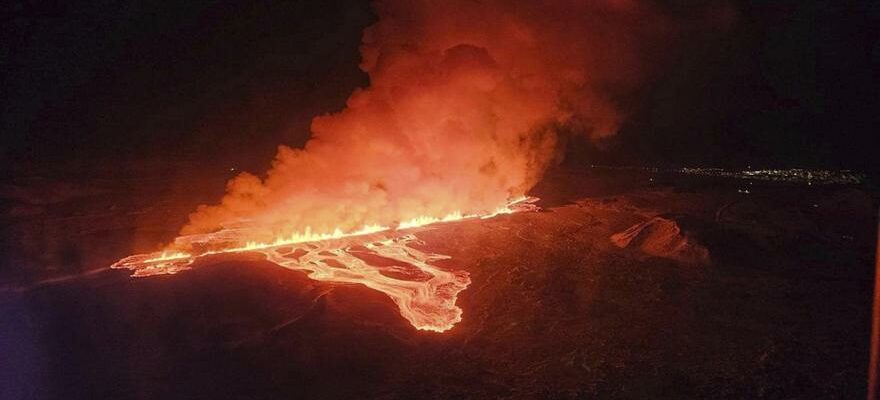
(97, 84)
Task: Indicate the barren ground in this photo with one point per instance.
(555, 310)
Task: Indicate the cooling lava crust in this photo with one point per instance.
(777, 305)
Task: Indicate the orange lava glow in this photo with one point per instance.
(375, 256)
(468, 104)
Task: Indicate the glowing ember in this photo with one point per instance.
(376, 256)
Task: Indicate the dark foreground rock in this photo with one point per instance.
(555, 310)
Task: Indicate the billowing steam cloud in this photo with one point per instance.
(465, 101)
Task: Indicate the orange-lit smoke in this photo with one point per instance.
(461, 114)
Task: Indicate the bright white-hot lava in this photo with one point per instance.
(468, 103)
(378, 257)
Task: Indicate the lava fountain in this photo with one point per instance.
(377, 257)
(460, 120)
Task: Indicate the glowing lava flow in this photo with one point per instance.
(378, 257)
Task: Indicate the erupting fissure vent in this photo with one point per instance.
(468, 104)
(381, 259)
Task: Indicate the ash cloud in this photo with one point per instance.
(464, 108)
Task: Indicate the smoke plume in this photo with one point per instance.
(463, 110)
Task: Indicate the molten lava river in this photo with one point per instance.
(378, 257)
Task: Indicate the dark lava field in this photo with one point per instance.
(736, 290)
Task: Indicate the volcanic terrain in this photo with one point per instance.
(730, 289)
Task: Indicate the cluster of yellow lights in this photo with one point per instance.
(309, 236)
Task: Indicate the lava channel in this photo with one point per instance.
(381, 259)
